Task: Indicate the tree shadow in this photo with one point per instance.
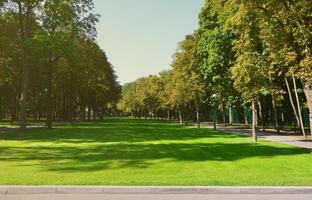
(115, 131)
(130, 144)
(120, 155)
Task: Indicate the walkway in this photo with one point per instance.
(10, 130)
(298, 141)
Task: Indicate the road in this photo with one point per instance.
(160, 197)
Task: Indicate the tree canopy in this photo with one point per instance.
(242, 56)
(51, 67)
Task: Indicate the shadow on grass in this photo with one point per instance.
(116, 144)
(126, 130)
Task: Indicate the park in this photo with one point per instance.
(131, 152)
(108, 97)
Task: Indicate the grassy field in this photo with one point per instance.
(146, 152)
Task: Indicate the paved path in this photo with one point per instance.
(10, 130)
(298, 141)
(160, 197)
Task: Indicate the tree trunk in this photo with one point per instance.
(257, 120)
(292, 102)
(84, 113)
(197, 116)
(308, 94)
(24, 35)
(276, 125)
(230, 116)
(71, 110)
(94, 113)
(261, 116)
(254, 120)
(180, 117)
(246, 116)
(223, 115)
(283, 120)
(24, 95)
(246, 119)
(214, 119)
(299, 108)
(89, 112)
(49, 95)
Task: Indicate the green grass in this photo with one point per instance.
(146, 152)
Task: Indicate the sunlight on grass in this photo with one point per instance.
(139, 152)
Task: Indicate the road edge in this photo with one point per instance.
(22, 190)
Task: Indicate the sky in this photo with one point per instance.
(140, 36)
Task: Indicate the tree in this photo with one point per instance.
(25, 11)
(249, 71)
(286, 31)
(10, 70)
(216, 55)
(50, 46)
(187, 78)
(63, 23)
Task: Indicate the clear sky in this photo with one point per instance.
(140, 36)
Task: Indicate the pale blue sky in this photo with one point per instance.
(140, 36)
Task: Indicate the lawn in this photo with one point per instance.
(147, 152)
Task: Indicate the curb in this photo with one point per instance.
(17, 190)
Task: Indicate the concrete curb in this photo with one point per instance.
(18, 190)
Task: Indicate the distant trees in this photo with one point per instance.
(173, 93)
(142, 97)
(245, 55)
(50, 65)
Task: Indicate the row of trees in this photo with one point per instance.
(50, 65)
(244, 53)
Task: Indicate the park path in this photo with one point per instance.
(294, 140)
(29, 127)
(298, 141)
(9, 130)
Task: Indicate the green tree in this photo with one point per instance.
(186, 77)
(25, 13)
(48, 62)
(63, 23)
(216, 55)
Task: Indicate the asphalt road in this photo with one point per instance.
(160, 197)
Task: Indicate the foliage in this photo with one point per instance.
(174, 89)
(69, 74)
(241, 53)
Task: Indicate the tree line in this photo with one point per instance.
(246, 56)
(51, 67)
